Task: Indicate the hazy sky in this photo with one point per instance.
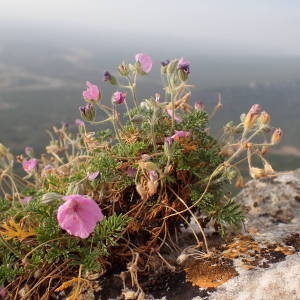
(253, 26)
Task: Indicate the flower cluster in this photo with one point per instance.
(122, 193)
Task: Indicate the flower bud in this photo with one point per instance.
(264, 118)
(29, 151)
(88, 112)
(118, 97)
(164, 65)
(199, 105)
(111, 79)
(183, 76)
(183, 69)
(251, 116)
(123, 69)
(276, 137)
(172, 66)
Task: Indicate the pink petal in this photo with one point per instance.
(79, 215)
(145, 61)
(176, 118)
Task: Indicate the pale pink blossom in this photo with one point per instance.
(180, 134)
(93, 176)
(176, 118)
(29, 165)
(79, 122)
(28, 151)
(25, 200)
(92, 92)
(79, 215)
(145, 61)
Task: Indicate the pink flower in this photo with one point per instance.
(29, 165)
(145, 61)
(93, 176)
(176, 118)
(255, 109)
(79, 122)
(183, 65)
(26, 200)
(180, 134)
(153, 175)
(131, 171)
(118, 97)
(3, 292)
(92, 93)
(79, 215)
(28, 151)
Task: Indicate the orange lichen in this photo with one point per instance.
(210, 272)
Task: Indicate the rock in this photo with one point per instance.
(273, 224)
(280, 281)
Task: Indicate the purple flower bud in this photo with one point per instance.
(123, 69)
(118, 97)
(153, 175)
(131, 171)
(199, 105)
(79, 122)
(164, 62)
(183, 65)
(28, 151)
(88, 112)
(106, 76)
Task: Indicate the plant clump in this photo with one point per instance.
(122, 195)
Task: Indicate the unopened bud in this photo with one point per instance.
(199, 105)
(172, 66)
(123, 69)
(183, 76)
(111, 79)
(88, 112)
(276, 137)
(251, 116)
(164, 65)
(264, 118)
